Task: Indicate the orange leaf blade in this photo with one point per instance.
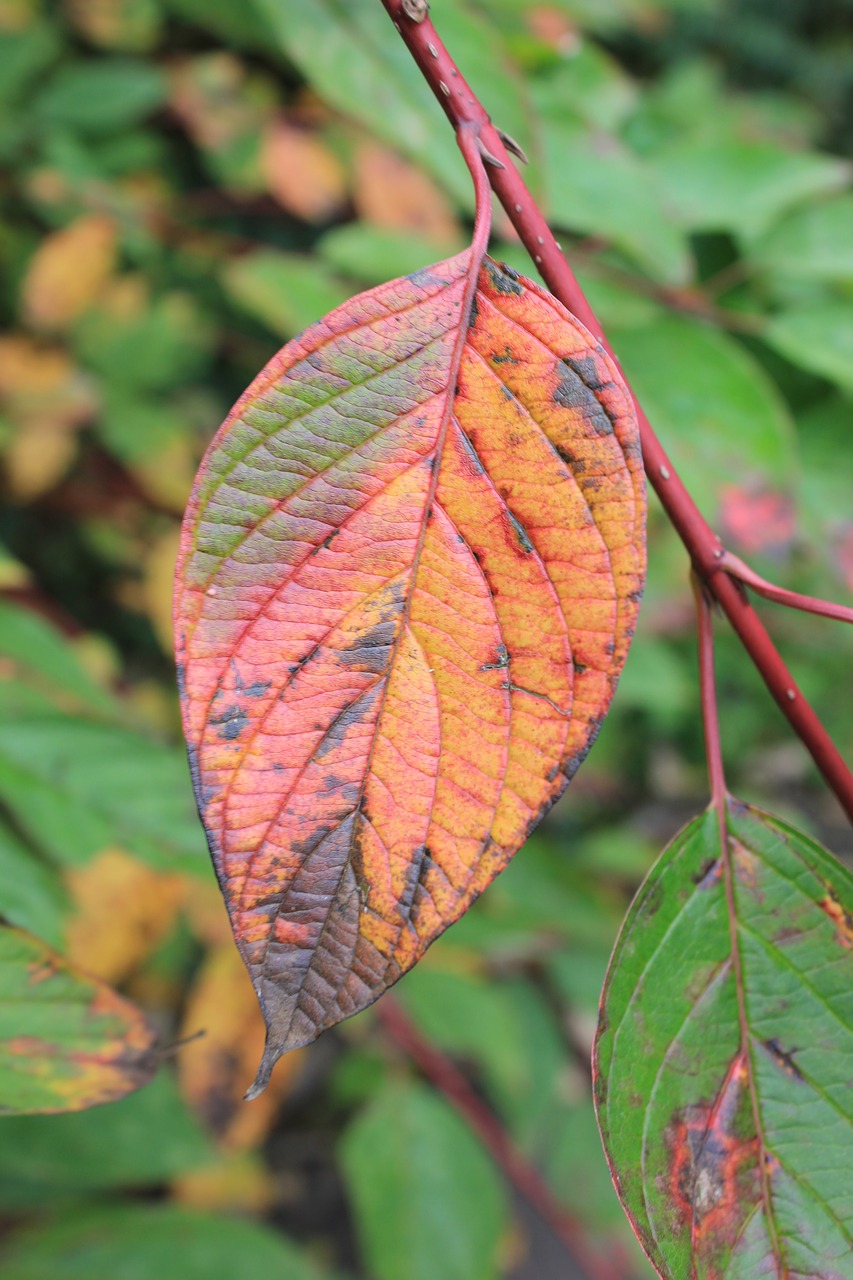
(410, 572)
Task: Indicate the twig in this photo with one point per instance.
(793, 599)
(461, 106)
(446, 1077)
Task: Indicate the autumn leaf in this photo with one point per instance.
(723, 1054)
(410, 571)
(67, 1041)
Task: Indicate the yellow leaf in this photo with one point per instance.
(36, 458)
(123, 909)
(215, 1069)
(391, 193)
(159, 577)
(68, 272)
(238, 1182)
(302, 172)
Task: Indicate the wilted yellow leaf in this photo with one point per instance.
(238, 1182)
(167, 475)
(116, 24)
(40, 383)
(302, 172)
(36, 458)
(68, 272)
(122, 910)
(159, 579)
(390, 192)
(216, 1069)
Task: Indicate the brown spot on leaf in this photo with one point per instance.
(231, 723)
(783, 1059)
(502, 278)
(842, 919)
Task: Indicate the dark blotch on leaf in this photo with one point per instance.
(575, 390)
(231, 723)
(258, 689)
(520, 535)
(784, 1059)
(503, 278)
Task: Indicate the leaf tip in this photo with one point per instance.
(271, 1055)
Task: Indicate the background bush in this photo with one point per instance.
(186, 184)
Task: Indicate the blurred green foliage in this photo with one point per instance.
(186, 184)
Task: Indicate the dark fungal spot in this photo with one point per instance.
(580, 668)
(587, 369)
(474, 311)
(520, 535)
(471, 453)
(357, 711)
(329, 538)
(575, 391)
(503, 357)
(502, 278)
(576, 465)
(370, 651)
(304, 847)
(423, 278)
(278, 767)
(257, 689)
(783, 1059)
(708, 874)
(231, 723)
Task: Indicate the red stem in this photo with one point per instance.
(708, 695)
(446, 1077)
(461, 106)
(793, 599)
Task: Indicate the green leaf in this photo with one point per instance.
(164, 346)
(77, 787)
(818, 338)
(472, 1018)
(66, 1040)
(32, 896)
(813, 243)
(285, 291)
(598, 187)
(148, 1242)
(43, 657)
(239, 27)
(24, 55)
(103, 95)
(721, 415)
(146, 1139)
(372, 255)
(427, 1200)
(722, 1060)
(741, 186)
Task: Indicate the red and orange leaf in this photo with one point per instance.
(410, 571)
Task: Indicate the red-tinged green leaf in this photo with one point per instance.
(67, 1041)
(410, 570)
(723, 1055)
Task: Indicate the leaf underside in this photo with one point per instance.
(723, 1073)
(410, 570)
